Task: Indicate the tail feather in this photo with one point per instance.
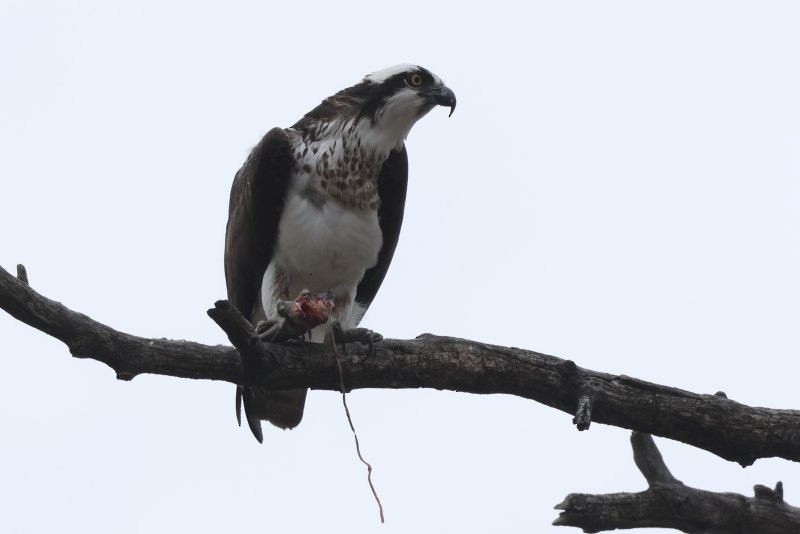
(245, 396)
(283, 408)
(239, 405)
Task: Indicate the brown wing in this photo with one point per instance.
(257, 197)
(392, 185)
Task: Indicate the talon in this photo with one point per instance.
(364, 336)
(269, 329)
(294, 319)
(373, 337)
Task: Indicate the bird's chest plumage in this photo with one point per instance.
(329, 233)
(324, 247)
(344, 164)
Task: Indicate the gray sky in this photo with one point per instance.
(619, 185)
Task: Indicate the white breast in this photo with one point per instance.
(329, 234)
(326, 247)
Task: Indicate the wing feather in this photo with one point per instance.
(257, 197)
(392, 186)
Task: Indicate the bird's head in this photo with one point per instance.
(386, 104)
(403, 91)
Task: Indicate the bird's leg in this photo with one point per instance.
(272, 329)
(296, 318)
(365, 336)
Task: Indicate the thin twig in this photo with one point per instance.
(350, 420)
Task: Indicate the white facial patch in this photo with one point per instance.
(393, 121)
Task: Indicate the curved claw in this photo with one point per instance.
(278, 329)
(268, 329)
(365, 336)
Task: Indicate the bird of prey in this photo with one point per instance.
(318, 207)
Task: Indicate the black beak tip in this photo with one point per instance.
(450, 100)
(444, 96)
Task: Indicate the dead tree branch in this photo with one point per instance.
(668, 503)
(712, 422)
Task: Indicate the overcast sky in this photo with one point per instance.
(619, 186)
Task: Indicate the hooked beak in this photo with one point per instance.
(443, 96)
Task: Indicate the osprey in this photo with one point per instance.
(318, 207)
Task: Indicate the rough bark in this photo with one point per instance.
(668, 503)
(712, 422)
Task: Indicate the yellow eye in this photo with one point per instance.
(415, 80)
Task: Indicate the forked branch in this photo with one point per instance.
(668, 503)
